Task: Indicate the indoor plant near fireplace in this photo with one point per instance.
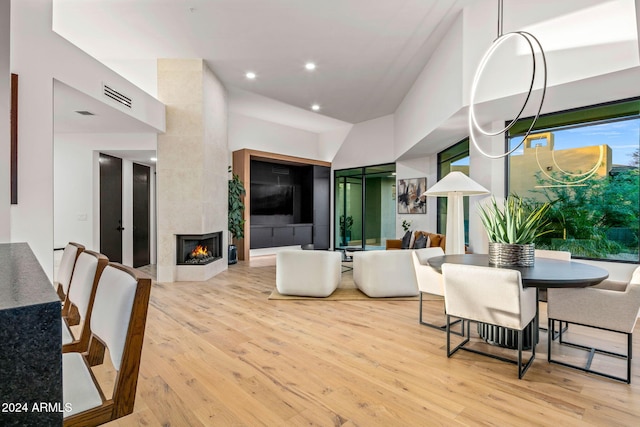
(512, 229)
(236, 214)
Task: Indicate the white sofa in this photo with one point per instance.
(308, 273)
(381, 274)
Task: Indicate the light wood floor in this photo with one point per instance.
(220, 353)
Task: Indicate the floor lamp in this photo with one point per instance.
(454, 186)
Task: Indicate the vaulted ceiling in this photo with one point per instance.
(367, 53)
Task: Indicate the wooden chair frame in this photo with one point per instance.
(126, 382)
(71, 315)
(79, 249)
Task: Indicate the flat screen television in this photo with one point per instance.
(267, 199)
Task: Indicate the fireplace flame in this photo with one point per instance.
(199, 250)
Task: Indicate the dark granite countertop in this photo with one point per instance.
(23, 282)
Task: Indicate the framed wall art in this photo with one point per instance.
(409, 195)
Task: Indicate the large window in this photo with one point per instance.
(454, 158)
(586, 163)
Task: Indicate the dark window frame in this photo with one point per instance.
(580, 117)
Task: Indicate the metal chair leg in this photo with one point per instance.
(440, 327)
(592, 352)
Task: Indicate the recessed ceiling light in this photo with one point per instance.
(310, 66)
(315, 107)
(251, 75)
(154, 159)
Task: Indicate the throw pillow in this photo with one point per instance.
(435, 239)
(421, 242)
(406, 240)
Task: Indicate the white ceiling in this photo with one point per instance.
(368, 52)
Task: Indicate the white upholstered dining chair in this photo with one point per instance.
(79, 300)
(65, 269)
(493, 296)
(542, 293)
(609, 308)
(430, 282)
(117, 324)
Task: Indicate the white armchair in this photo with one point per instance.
(493, 296)
(608, 306)
(549, 254)
(308, 273)
(382, 274)
(545, 253)
(429, 280)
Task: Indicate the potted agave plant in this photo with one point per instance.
(512, 229)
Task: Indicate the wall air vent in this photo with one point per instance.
(280, 170)
(119, 97)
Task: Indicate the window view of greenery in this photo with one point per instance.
(585, 163)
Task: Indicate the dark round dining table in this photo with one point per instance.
(545, 273)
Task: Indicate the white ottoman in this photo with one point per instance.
(308, 273)
(385, 273)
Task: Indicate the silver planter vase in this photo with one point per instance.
(507, 254)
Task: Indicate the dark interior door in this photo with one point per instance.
(111, 207)
(141, 214)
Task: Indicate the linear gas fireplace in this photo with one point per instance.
(198, 249)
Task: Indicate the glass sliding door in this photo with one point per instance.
(380, 205)
(348, 219)
(364, 207)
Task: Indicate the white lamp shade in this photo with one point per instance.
(456, 182)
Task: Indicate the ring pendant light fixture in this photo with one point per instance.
(583, 176)
(474, 126)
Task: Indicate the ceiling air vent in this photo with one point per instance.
(119, 97)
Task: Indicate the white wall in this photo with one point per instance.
(434, 111)
(5, 134)
(368, 143)
(491, 174)
(418, 168)
(141, 72)
(436, 93)
(330, 142)
(76, 188)
(38, 56)
(256, 134)
(587, 65)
